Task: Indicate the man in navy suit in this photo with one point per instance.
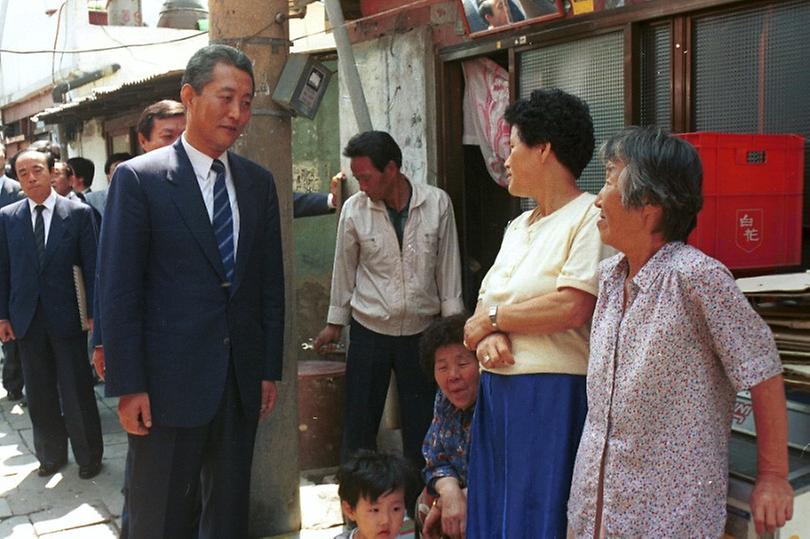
(192, 305)
(41, 240)
(12, 369)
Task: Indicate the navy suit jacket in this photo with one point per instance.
(171, 322)
(9, 191)
(71, 242)
(310, 204)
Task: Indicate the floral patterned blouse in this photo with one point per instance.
(447, 443)
(662, 377)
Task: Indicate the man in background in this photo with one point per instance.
(42, 239)
(61, 180)
(98, 199)
(161, 124)
(397, 267)
(12, 369)
(83, 172)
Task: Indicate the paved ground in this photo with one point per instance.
(64, 506)
(61, 506)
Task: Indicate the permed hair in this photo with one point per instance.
(441, 332)
(559, 118)
(368, 474)
(378, 146)
(661, 170)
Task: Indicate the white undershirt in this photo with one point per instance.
(47, 213)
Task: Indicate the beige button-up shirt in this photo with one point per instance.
(390, 290)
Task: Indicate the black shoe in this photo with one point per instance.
(89, 471)
(46, 470)
(14, 396)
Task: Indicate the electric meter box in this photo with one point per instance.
(302, 84)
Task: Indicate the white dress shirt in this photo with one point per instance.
(47, 213)
(206, 178)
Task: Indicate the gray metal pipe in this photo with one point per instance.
(346, 58)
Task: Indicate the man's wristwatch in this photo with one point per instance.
(493, 317)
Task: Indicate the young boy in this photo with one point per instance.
(372, 494)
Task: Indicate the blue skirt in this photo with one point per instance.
(525, 435)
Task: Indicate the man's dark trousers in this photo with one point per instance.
(49, 361)
(169, 462)
(12, 369)
(369, 361)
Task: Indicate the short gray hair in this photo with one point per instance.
(661, 170)
(200, 68)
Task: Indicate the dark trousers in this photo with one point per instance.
(12, 368)
(369, 361)
(60, 393)
(171, 468)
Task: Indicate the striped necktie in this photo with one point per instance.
(223, 220)
(39, 233)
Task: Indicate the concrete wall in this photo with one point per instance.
(315, 155)
(23, 74)
(90, 144)
(398, 76)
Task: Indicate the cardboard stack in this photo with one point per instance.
(783, 301)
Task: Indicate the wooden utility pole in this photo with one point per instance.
(250, 25)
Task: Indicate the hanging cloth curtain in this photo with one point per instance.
(486, 96)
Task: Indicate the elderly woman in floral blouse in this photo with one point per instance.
(672, 341)
(443, 505)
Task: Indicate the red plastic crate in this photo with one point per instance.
(752, 198)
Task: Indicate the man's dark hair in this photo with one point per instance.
(378, 146)
(49, 158)
(200, 68)
(116, 158)
(556, 117)
(369, 475)
(441, 332)
(166, 108)
(83, 168)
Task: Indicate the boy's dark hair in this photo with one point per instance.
(119, 157)
(443, 331)
(368, 474)
(557, 117)
(83, 168)
(378, 146)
